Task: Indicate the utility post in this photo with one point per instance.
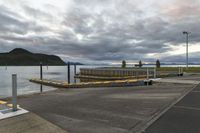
(187, 35)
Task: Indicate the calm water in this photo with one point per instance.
(27, 72)
(24, 73)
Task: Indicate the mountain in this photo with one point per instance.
(75, 63)
(22, 57)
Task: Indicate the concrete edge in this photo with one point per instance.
(29, 122)
(156, 116)
(177, 81)
(20, 111)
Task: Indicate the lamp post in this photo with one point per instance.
(187, 34)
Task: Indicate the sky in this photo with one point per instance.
(103, 31)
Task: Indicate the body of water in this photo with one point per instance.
(24, 73)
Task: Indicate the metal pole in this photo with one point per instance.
(187, 49)
(74, 73)
(68, 72)
(147, 76)
(41, 77)
(14, 92)
(187, 34)
(74, 69)
(181, 70)
(155, 72)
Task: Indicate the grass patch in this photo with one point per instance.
(164, 69)
(190, 69)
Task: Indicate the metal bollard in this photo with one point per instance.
(41, 76)
(14, 92)
(68, 72)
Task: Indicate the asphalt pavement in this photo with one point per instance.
(104, 109)
(183, 117)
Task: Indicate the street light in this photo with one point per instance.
(187, 34)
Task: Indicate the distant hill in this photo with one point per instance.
(75, 63)
(22, 57)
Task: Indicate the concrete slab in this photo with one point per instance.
(184, 117)
(7, 113)
(177, 120)
(107, 110)
(178, 81)
(28, 123)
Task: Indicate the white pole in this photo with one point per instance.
(147, 76)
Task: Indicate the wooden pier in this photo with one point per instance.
(115, 72)
(116, 83)
(109, 74)
(106, 77)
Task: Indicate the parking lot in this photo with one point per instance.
(104, 110)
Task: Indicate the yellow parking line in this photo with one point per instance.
(2, 102)
(11, 105)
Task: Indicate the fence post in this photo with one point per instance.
(41, 76)
(14, 92)
(68, 72)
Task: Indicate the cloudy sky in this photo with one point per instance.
(102, 31)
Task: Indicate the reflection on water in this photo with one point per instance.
(52, 73)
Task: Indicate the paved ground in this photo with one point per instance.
(184, 117)
(28, 123)
(187, 76)
(104, 110)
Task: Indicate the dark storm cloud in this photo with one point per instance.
(106, 30)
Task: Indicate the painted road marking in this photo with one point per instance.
(190, 108)
(2, 102)
(11, 105)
